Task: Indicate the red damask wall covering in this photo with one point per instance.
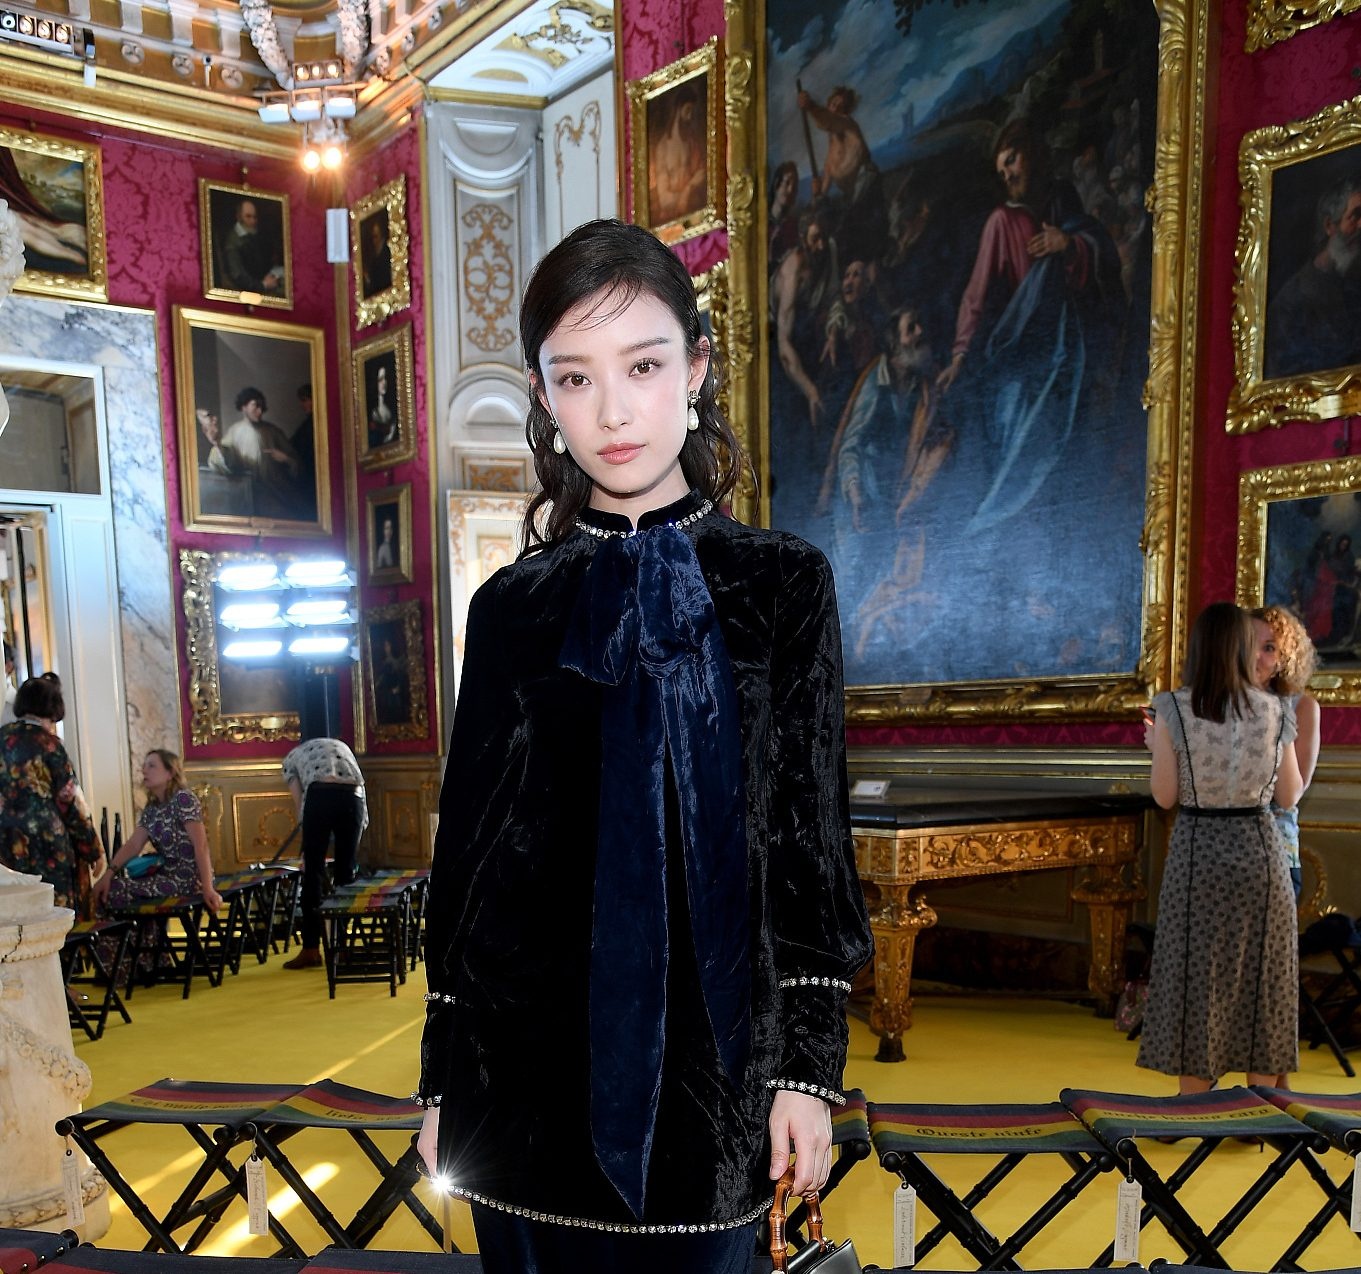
(1288, 81)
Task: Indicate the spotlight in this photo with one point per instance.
(324, 572)
(302, 72)
(249, 614)
(311, 159)
(274, 112)
(305, 110)
(248, 577)
(339, 106)
(252, 649)
(332, 157)
(320, 644)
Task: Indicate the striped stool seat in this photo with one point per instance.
(214, 1116)
(24, 1250)
(343, 1261)
(201, 946)
(1119, 1121)
(903, 1134)
(334, 1106)
(87, 1260)
(371, 929)
(1336, 1116)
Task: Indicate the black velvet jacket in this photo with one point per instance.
(509, 924)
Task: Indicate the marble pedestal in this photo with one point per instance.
(41, 1079)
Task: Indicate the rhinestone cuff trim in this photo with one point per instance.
(835, 984)
(815, 1090)
(600, 534)
(435, 997)
(613, 1227)
(425, 1101)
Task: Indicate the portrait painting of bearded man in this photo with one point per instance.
(1313, 314)
(245, 243)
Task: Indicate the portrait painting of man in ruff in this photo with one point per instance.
(959, 260)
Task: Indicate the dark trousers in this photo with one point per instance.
(329, 810)
(515, 1245)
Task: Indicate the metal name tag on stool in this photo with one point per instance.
(821, 1255)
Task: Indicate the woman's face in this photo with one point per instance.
(155, 774)
(616, 381)
(1268, 657)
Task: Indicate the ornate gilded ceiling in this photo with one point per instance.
(196, 66)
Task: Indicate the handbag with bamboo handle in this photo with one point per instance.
(820, 1254)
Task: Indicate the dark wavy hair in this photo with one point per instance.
(1219, 659)
(41, 697)
(615, 261)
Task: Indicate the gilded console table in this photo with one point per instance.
(901, 848)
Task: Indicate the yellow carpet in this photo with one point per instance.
(272, 1024)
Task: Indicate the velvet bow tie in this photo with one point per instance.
(644, 628)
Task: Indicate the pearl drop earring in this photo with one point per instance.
(559, 442)
(692, 416)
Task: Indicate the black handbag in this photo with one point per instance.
(820, 1254)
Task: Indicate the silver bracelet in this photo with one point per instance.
(835, 984)
(813, 1090)
(436, 997)
(425, 1102)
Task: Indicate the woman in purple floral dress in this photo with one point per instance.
(45, 827)
(172, 824)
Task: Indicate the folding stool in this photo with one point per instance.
(334, 1260)
(196, 1107)
(82, 944)
(902, 1134)
(1338, 1118)
(330, 1105)
(1329, 1010)
(1119, 1121)
(111, 1261)
(24, 1250)
(200, 948)
(366, 929)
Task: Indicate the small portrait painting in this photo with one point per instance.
(385, 392)
(380, 246)
(252, 437)
(1313, 312)
(245, 244)
(394, 656)
(677, 127)
(389, 535)
(55, 188)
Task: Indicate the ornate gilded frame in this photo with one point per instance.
(211, 292)
(311, 340)
(1271, 21)
(208, 723)
(704, 61)
(400, 571)
(1258, 489)
(1175, 202)
(392, 199)
(398, 343)
(713, 298)
(94, 284)
(417, 726)
(484, 534)
(1256, 402)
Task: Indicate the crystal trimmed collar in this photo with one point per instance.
(602, 533)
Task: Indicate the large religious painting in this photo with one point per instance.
(958, 263)
(56, 189)
(1297, 312)
(252, 437)
(1299, 546)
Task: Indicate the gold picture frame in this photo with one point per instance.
(384, 399)
(380, 247)
(231, 270)
(1283, 171)
(1169, 395)
(1297, 524)
(676, 121)
(394, 679)
(387, 529)
(224, 363)
(229, 703)
(61, 218)
(1271, 21)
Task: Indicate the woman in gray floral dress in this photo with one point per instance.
(1223, 995)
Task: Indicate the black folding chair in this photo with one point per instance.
(83, 965)
(1119, 1121)
(213, 1115)
(904, 1134)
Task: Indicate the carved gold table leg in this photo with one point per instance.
(1109, 899)
(895, 925)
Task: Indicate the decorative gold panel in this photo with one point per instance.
(1270, 21)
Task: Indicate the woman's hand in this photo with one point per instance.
(807, 1122)
(427, 1141)
(100, 889)
(211, 898)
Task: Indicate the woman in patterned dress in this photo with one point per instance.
(171, 822)
(45, 827)
(1223, 995)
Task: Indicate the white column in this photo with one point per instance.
(41, 1079)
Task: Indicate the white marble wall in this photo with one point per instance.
(123, 343)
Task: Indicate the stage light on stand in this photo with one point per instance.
(319, 572)
(315, 645)
(255, 614)
(252, 648)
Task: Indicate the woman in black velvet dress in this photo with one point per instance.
(644, 914)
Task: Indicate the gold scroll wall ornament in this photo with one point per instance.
(1271, 21)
